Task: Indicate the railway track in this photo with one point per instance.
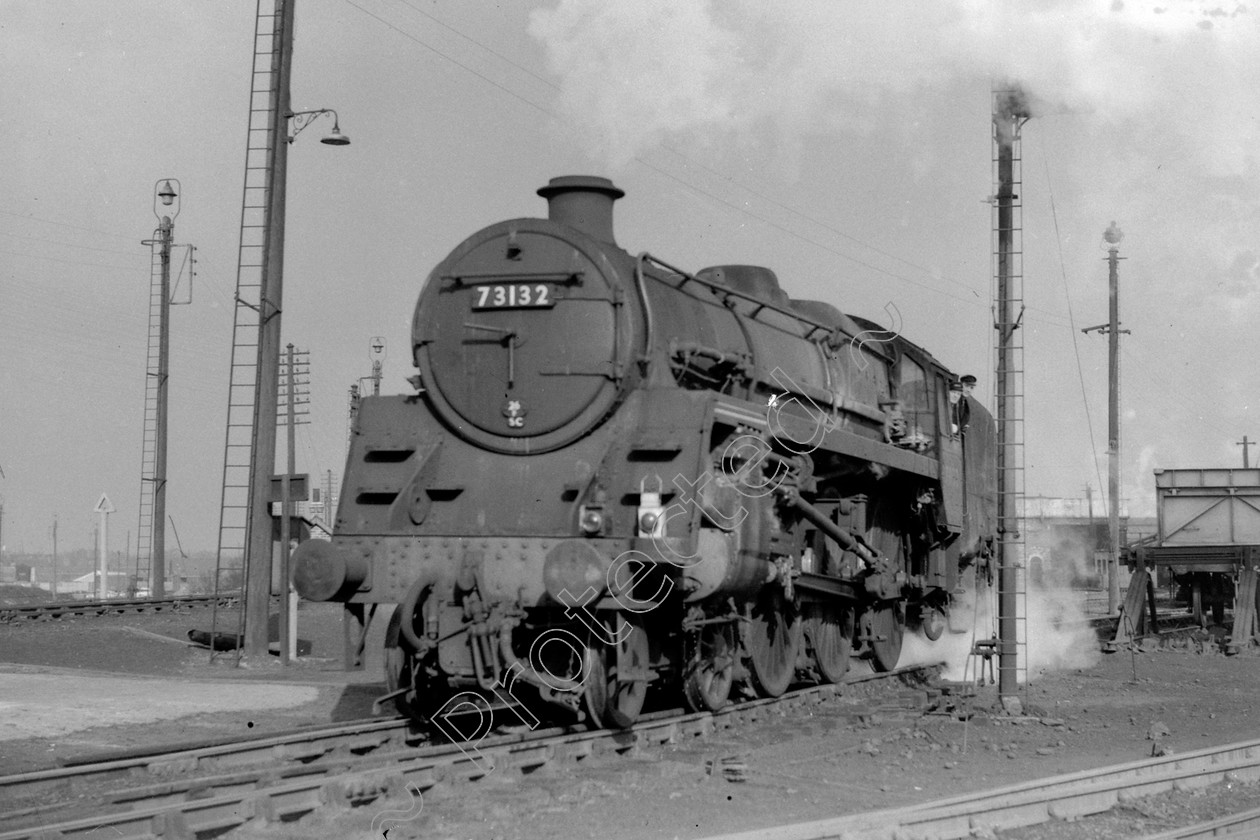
(1067, 797)
(213, 788)
(113, 606)
(1242, 824)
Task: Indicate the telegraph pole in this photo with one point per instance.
(286, 514)
(1246, 445)
(288, 598)
(1113, 235)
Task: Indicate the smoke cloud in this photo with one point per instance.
(634, 75)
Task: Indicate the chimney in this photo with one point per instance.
(584, 202)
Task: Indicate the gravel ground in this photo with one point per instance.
(832, 761)
(86, 686)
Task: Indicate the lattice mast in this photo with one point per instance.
(1010, 112)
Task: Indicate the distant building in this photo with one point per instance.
(1067, 540)
(119, 585)
(23, 574)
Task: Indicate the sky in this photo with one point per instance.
(846, 145)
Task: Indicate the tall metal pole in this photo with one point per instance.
(157, 581)
(1113, 237)
(1009, 115)
(1246, 445)
(263, 456)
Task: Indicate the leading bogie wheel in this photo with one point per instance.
(710, 667)
(398, 674)
(612, 698)
(398, 663)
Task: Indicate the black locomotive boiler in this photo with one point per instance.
(618, 477)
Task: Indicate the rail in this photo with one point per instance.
(1067, 797)
(283, 777)
(110, 606)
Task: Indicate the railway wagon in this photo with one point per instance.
(1207, 539)
(617, 476)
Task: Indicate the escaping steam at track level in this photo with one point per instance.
(1059, 636)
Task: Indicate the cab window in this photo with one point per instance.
(918, 402)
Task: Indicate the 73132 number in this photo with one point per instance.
(513, 295)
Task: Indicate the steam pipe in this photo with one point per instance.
(846, 540)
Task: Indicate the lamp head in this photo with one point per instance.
(1113, 234)
(336, 138)
(167, 194)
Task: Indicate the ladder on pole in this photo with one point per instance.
(230, 564)
(148, 453)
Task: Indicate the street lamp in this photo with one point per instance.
(301, 119)
(166, 206)
(259, 558)
(167, 194)
(1113, 236)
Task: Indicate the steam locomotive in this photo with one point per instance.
(617, 477)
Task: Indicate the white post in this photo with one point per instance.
(104, 508)
(293, 608)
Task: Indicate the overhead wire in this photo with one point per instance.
(61, 243)
(1067, 296)
(48, 221)
(68, 262)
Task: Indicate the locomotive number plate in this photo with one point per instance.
(514, 296)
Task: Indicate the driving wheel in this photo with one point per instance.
(829, 632)
(773, 642)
